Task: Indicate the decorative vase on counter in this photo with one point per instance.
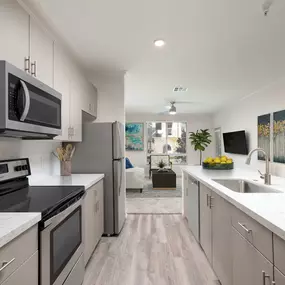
(65, 168)
(64, 155)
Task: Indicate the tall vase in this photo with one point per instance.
(65, 168)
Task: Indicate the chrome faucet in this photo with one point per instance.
(267, 175)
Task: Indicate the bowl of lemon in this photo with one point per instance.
(218, 163)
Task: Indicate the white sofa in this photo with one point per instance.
(135, 178)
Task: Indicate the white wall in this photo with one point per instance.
(111, 97)
(242, 115)
(39, 153)
(194, 122)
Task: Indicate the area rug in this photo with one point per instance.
(148, 191)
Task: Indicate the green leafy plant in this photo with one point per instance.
(161, 164)
(200, 140)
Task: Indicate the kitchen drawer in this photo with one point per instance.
(259, 236)
(20, 249)
(26, 274)
(279, 253)
(279, 277)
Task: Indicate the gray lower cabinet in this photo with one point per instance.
(93, 219)
(206, 221)
(279, 277)
(192, 201)
(185, 195)
(249, 265)
(26, 273)
(221, 239)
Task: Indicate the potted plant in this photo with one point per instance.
(200, 140)
(161, 164)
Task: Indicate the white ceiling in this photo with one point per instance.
(220, 50)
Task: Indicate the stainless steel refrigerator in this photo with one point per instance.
(102, 151)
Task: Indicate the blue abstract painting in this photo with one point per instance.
(135, 136)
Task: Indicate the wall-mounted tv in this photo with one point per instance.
(235, 142)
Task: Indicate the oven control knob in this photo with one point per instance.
(18, 168)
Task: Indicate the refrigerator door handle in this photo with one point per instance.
(121, 178)
(119, 139)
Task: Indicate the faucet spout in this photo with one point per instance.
(267, 175)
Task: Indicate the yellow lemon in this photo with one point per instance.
(223, 159)
(217, 160)
(223, 162)
(229, 161)
(206, 160)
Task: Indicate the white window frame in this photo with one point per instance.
(171, 154)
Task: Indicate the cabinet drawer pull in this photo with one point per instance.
(207, 200)
(211, 202)
(245, 228)
(6, 264)
(264, 276)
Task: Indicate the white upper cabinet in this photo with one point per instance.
(76, 96)
(61, 84)
(42, 54)
(14, 31)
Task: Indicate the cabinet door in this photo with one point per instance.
(193, 207)
(249, 265)
(75, 110)
(205, 221)
(25, 274)
(185, 194)
(89, 225)
(14, 31)
(42, 53)
(279, 277)
(221, 239)
(61, 84)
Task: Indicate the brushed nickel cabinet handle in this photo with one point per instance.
(244, 228)
(34, 68)
(264, 276)
(211, 202)
(27, 64)
(273, 283)
(207, 200)
(5, 264)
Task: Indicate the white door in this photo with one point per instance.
(42, 54)
(14, 31)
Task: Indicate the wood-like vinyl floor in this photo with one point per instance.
(151, 250)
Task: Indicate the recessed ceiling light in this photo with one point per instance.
(159, 43)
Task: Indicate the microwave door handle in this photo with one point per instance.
(27, 101)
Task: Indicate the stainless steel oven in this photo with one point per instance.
(28, 107)
(61, 247)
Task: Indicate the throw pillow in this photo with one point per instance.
(128, 164)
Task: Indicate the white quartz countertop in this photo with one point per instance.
(86, 180)
(14, 224)
(266, 208)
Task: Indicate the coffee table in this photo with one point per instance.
(162, 180)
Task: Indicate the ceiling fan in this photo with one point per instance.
(172, 107)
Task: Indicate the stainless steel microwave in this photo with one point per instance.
(29, 109)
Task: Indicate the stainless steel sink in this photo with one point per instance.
(242, 186)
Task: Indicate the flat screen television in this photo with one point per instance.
(235, 142)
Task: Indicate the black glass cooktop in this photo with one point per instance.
(20, 197)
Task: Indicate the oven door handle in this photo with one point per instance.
(61, 216)
(27, 101)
